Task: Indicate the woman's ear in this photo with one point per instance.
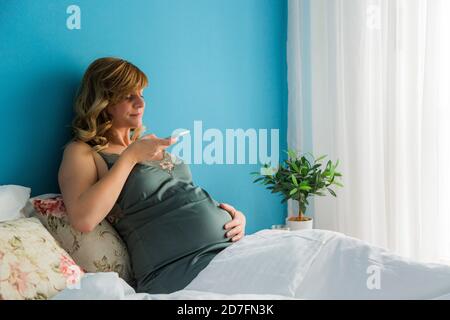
(108, 111)
(106, 115)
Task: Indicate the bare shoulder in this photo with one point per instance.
(78, 156)
(77, 146)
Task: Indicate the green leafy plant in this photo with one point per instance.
(298, 178)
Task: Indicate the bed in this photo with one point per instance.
(269, 264)
(313, 264)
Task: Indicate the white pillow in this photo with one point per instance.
(13, 199)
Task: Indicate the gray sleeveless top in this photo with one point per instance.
(171, 227)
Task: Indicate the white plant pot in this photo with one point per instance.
(299, 225)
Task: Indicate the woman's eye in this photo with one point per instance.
(130, 97)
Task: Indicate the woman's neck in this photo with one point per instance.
(119, 137)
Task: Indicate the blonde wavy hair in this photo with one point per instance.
(106, 81)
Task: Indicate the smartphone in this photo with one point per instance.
(179, 134)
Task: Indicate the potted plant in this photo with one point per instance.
(298, 178)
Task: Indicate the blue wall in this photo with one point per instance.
(219, 61)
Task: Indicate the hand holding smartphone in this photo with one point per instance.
(179, 134)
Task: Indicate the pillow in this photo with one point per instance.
(32, 264)
(101, 250)
(13, 199)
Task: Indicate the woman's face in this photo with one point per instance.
(128, 113)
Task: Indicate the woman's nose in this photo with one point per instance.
(140, 102)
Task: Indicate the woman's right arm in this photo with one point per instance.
(87, 199)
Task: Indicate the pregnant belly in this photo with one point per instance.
(194, 227)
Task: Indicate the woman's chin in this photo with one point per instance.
(135, 124)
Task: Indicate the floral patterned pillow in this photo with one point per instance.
(32, 264)
(101, 250)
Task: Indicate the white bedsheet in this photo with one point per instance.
(108, 286)
(310, 264)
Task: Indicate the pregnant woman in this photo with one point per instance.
(172, 228)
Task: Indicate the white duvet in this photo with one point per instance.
(310, 264)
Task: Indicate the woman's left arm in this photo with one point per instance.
(236, 227)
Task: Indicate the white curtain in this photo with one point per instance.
(369, 84)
